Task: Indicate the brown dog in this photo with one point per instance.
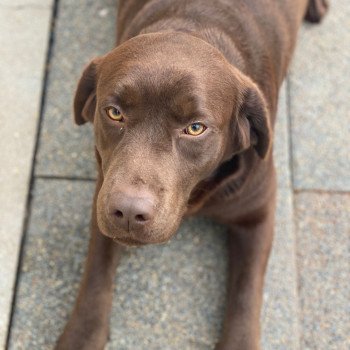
(183, 111)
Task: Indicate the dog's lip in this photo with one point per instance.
(127, 241)
(132, 242)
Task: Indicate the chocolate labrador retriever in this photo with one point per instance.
(183, 112)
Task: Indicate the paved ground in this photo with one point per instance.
(307, 289)
(24, 32)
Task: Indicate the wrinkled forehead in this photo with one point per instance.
(180, 73)
(155, 86)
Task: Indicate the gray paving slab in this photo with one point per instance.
(280, 318)
(83, 31)
(155, 285)
(24, 35)
(23, 4)
(323, 233)
(320, 103)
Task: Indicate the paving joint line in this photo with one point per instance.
(49, 51)
(64, 178)
(290, 132)
(320, 191)
(294, 221)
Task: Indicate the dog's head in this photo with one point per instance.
(168, 110)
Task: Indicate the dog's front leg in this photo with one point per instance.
(88, 326)
(249, 244)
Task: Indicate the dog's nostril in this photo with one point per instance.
(118, 214)
(140, 217)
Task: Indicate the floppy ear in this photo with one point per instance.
(253, 124)
(85, 95)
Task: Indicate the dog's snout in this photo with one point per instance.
(131, 210)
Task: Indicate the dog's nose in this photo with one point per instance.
(130, 211)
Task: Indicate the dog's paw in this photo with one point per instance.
(74, 338)
(238, 343)
(316, 10)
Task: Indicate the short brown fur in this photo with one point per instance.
(220, 63)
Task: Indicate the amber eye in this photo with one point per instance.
(195, 129)
(114, 114)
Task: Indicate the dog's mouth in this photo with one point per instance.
(129, 242)
(132, 242)
(206, 187)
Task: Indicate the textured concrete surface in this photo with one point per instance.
(24, 33)
(320, 104)
(84, 30)
(323, 232)
(55, 244)
(25, 4)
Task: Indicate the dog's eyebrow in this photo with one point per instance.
(178, 97)
(126, 95)
(187, 106)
